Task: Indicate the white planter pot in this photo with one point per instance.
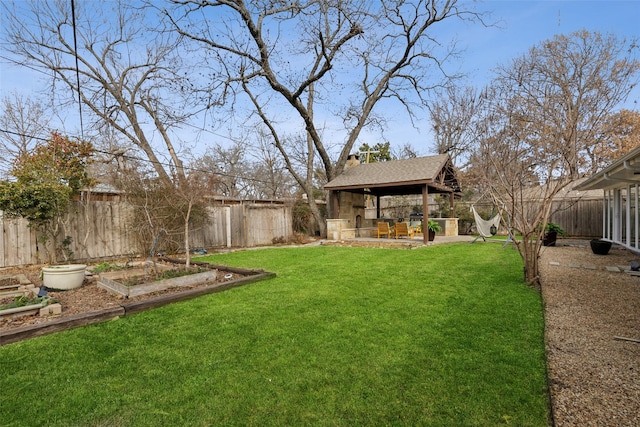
(63, 277)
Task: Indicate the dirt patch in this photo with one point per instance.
(594, 376)
(87, 298)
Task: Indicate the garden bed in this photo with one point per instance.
(91, 303)
(20, 311)
(147, 279)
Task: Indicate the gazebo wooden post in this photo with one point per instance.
(451, 206)
(377, 207)
(425, 214)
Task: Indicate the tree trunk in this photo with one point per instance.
(320, 219)
(530, 252)
(186, 237)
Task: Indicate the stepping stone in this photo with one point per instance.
(590, 267)
(554, 263)
(574, 265)
(613, 269)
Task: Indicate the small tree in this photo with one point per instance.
(539, 118)
(188, 204)
(163, 214)
(45, 179)
(381, 152)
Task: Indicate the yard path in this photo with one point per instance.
(589, 303)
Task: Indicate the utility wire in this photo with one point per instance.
(16, 62)
(130, 157)
(75, 51)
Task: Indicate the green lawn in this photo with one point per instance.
(445, 335)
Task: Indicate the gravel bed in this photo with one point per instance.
(594, 375)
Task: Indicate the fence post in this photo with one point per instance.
(227, 217)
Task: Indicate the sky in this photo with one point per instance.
(520, 25)
(524, 24)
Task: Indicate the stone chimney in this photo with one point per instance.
(353, 160)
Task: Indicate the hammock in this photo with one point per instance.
(486, 228)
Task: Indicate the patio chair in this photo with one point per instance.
(384, 229)
(403, 229)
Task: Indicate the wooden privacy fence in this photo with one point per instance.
(100, 229)
(579, 217)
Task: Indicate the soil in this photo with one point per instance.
(89, 297)
(594, 374)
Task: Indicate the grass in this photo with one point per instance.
(442, 335)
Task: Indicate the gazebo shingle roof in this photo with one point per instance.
(399, 176)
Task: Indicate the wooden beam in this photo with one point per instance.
(82, 319)
(451, 205)
(425, 214)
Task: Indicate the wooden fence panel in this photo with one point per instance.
(99, 229)
(214, 232)
(19, 245)
(579, 218)
(268, 223)
(210, 234)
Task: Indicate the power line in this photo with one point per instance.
(32, 68)
(22, 135)
(75, 54)
(130, 157)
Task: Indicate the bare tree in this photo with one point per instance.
(304, 61)
(407, 151)
(127, 74)
(539, 115)
(23, 120)
(620, 133)
(453, 113)
(187, 201)
(270, 177)
(230, 167)
(521, 176)
(573, 82)
(162, 214)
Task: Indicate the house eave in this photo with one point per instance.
(624, 171)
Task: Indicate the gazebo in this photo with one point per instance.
(415, 176)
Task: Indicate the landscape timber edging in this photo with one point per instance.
(19, 334)
(155, 286)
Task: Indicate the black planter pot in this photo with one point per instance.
(550, 238)
(600, 247)
(432, 235)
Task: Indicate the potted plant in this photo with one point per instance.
(63, 277)
(551, 233)
(433, 227)
(600, 247)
